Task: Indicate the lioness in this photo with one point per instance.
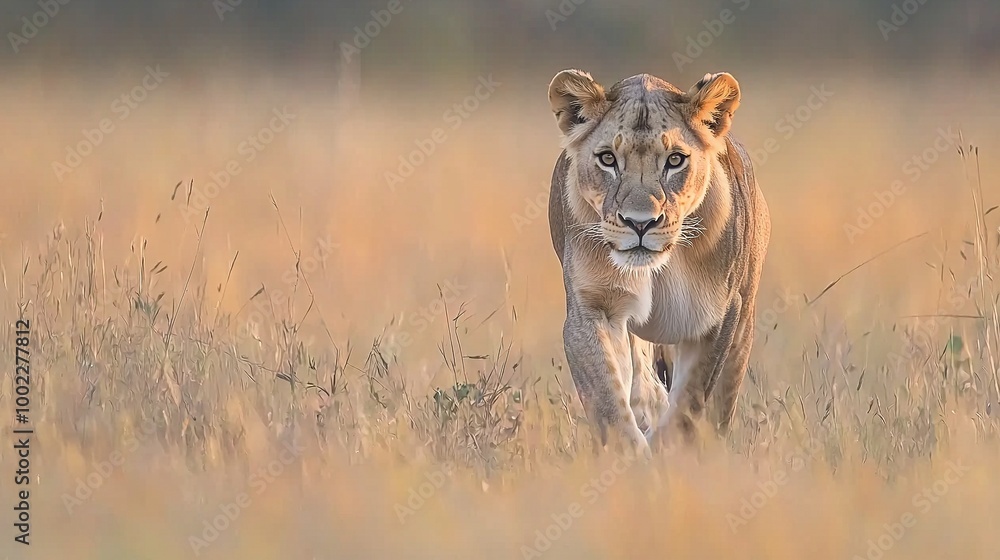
(661, 230)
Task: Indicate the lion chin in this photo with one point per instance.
(640, 259)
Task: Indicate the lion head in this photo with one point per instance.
(642, 157)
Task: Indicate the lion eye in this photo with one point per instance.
(607, 159)
(675, 160)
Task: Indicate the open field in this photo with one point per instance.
(329, 366)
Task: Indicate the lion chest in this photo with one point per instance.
(685, 306)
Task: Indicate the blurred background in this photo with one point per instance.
(379, 168)
(368, 86)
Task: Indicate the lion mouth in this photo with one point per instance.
(642, 249)
(641, 257)
(639, 250)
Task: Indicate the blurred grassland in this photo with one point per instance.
(142, 317)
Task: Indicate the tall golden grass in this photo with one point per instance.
(343, 370)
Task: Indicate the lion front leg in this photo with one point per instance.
(600, 360)
(687, 395)
(699, 366)
(727, 388)
(649, 396)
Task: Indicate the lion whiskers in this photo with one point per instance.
(587, 231)
(691, 229)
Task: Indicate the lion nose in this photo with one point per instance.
(640, 226)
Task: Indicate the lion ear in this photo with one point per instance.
(714, 99)
(576, 98)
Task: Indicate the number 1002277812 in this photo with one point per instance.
(22, 374)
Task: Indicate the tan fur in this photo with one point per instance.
(654, 253)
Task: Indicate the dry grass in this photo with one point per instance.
(415, 367)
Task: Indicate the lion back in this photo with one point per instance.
(750, 230)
